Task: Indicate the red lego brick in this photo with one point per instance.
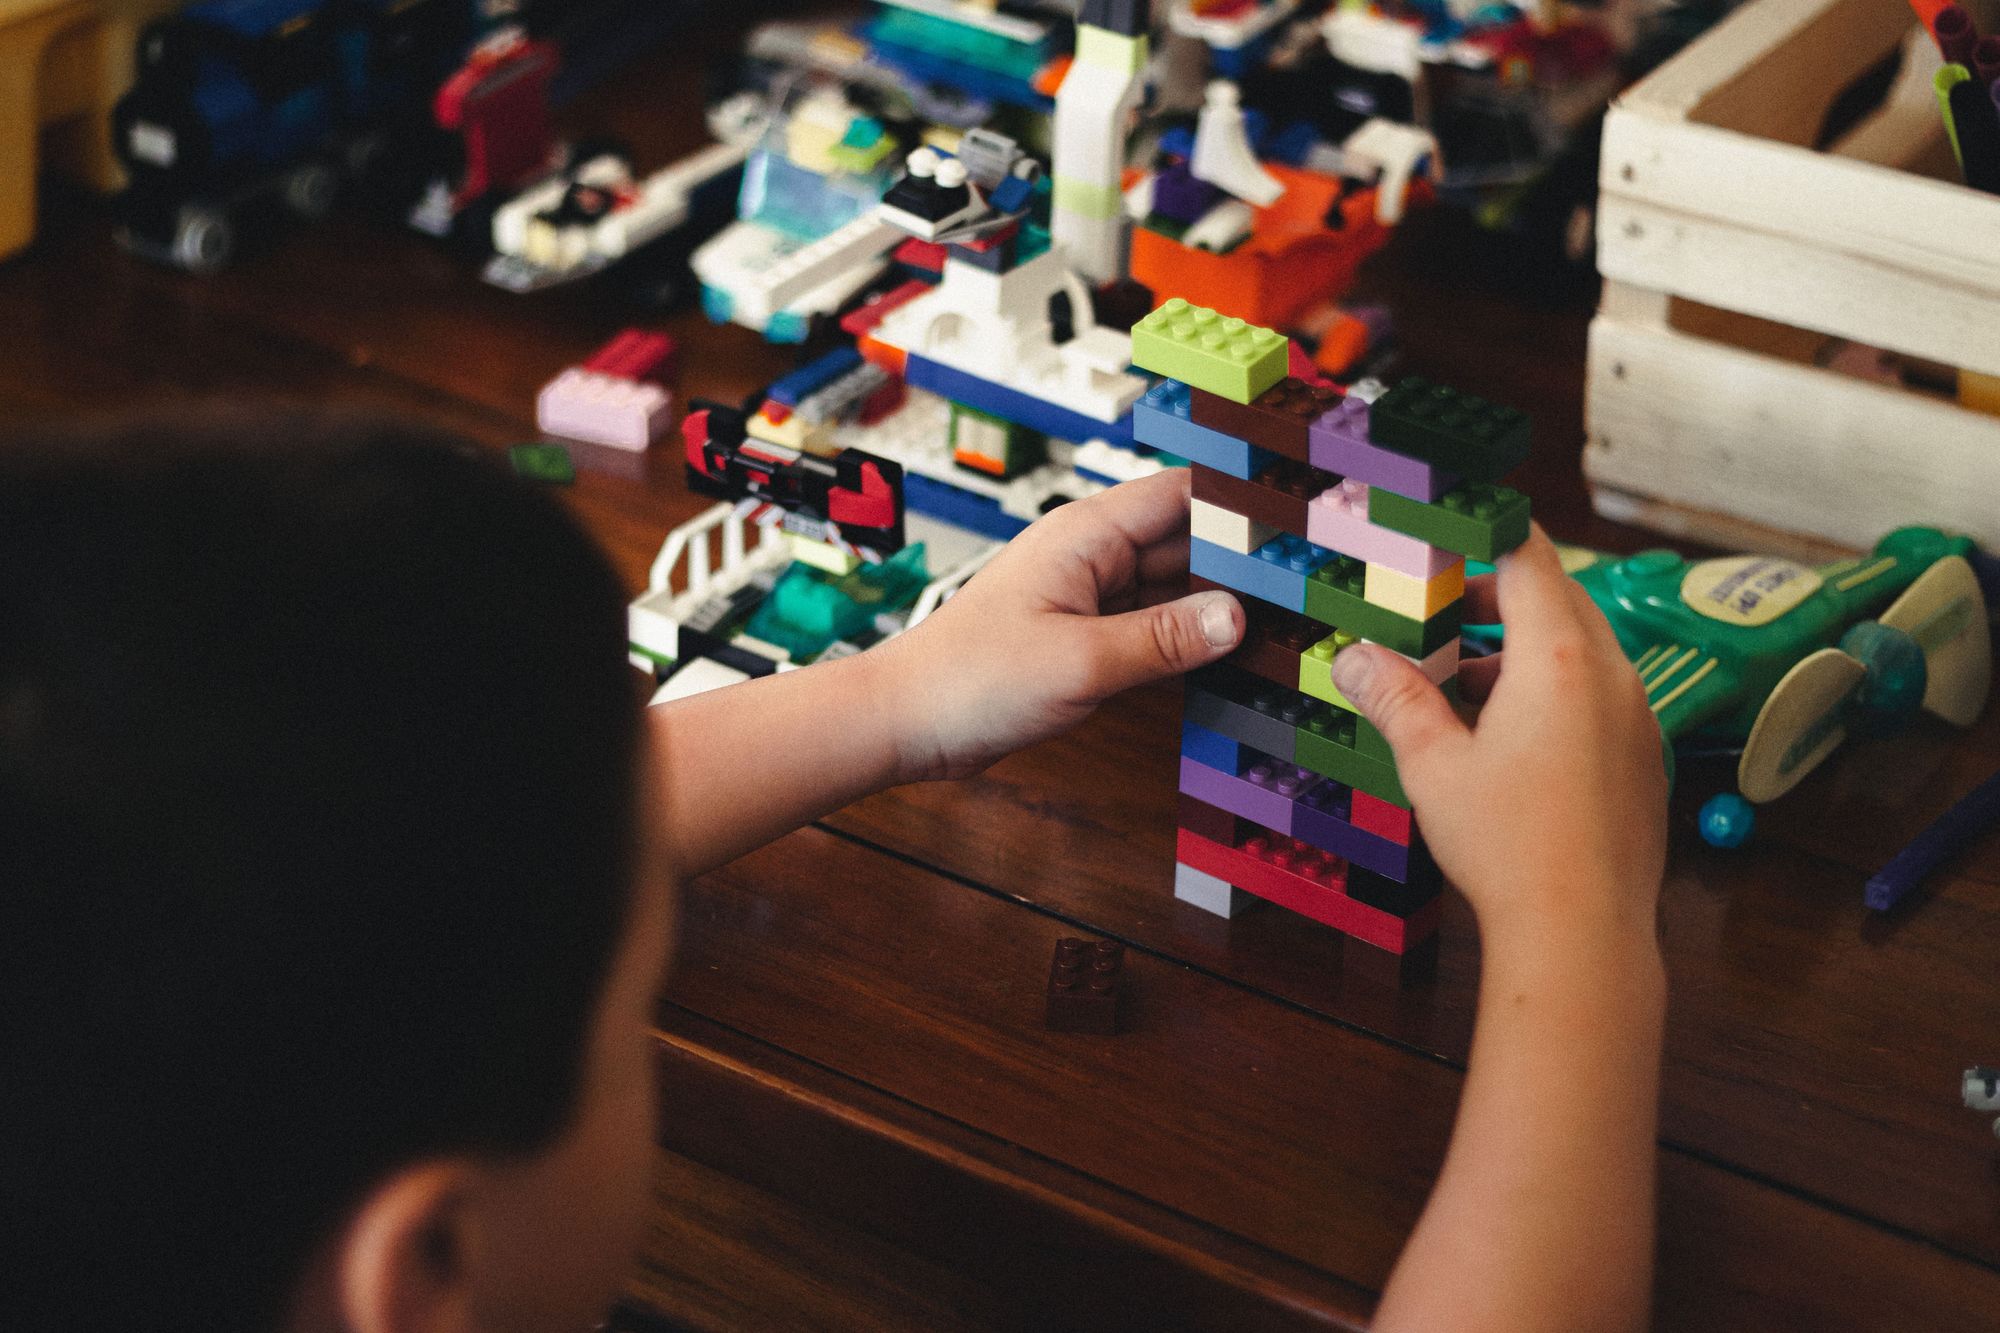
(1381, 818)
(637, 354)
(1086, 986)
(926, 256)
(1279, 419)
(1276, 497)
(1307, 881)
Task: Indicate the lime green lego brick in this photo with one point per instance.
(1100, 48)
(1086, 199)
(1473, 519)
(1334, 597)
(1336, 745)
(548, 463)
(1217, 353)
(863, 147)
(1316, 669)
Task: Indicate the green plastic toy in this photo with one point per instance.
(1787, 659)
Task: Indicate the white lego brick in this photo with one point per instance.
(1232, 31)
(862, 241)
(1210, 894)
(1374, 42)
(1391, 152)
(1222, 153)
(1226, 528)
(697, 677)
(1013, 27)
(1109, 460)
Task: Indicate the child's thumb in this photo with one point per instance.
(1411, 713)
(1166, 640)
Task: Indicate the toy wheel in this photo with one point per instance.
(204, 240)
(310, 190)
(1727, 820)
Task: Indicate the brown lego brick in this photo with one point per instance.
(1086, 986)
(1216, 825)
(1276, 497)
(1279, 419)
(1273, 639)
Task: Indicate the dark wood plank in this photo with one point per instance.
(722, 1254)
(1281, 1128)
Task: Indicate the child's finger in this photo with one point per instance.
(1534, 599)
(1477, 676)
(1159, 641)
(1142, 511)
(1481, 605)
(1411, 713)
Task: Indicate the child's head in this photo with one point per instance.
(323, 971)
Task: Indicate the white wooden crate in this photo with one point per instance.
(1735, 255)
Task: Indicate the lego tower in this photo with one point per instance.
(1334, 518)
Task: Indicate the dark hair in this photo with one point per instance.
(317, 751)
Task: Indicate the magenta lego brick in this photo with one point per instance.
(1338, 520)
(1338, 442)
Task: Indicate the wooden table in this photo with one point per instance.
(866, 1122)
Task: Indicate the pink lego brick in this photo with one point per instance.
(1338, 520)
(597, 408)
(1338, 442)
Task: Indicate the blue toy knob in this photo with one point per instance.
(1727, 820)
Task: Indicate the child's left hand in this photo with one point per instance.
(1082, 605)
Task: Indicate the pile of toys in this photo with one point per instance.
(1335, 518)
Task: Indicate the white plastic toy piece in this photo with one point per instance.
(1228, 33)
(1392, 152)
(1220, 227)
(1222, 152)
(1094, 110)
(597, 408)
(1374, 42)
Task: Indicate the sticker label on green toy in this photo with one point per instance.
(1747, 590)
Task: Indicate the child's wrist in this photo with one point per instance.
(1587, 932)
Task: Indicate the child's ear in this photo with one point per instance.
(409, 1259)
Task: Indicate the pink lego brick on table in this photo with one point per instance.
(597, 408)
(1338, 520)
(1338, 442)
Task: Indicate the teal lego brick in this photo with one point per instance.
(1216, 353)
(1334, 597)
(1473, 519)
(1460, 432)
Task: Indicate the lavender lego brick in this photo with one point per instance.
(1338, 442)
(1338, 519)
(1266, 805)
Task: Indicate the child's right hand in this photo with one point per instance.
(1550, 812)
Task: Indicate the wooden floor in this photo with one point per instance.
(866, 1122)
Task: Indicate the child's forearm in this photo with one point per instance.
(1543, 1215)
(739, 767)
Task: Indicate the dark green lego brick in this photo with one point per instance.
(1459, 432)
(1334, 597)
(1331, 744)
(1474, 519)
(543, 462)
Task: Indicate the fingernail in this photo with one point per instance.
(1353, 668)
(1218, 622)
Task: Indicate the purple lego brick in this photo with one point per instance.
(1179, 195)
(1322, 817)
(1264, 795)
(1338, 520)
(1338, 442)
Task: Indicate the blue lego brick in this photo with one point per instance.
(1208, 747)
(1161, 420)
(1277, 572)
(1012, 194)
(925, 67)
(949, 504)
(1023, 409)
(790, 390)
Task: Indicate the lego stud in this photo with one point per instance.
(950, 173)
(923, 163)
